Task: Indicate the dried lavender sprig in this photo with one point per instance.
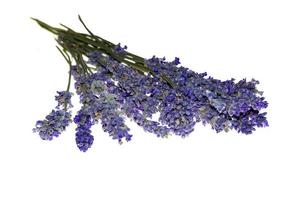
(123, 84)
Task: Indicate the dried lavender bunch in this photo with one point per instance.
(114, 84)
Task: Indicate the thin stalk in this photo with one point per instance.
(78, 44)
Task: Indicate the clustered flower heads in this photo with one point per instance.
(111, 91)
(57, 120)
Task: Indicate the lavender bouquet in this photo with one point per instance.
(114, 84)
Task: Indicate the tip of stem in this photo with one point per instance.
(34, 19)
(45, 26)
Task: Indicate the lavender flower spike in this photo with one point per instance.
(57, 120)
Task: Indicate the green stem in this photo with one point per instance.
(69, 79)
(78, 44)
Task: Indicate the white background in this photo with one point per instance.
(239, 39)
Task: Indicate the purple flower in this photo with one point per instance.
(57, 120)
(53, 125)
(84, 139)
(119, 49)
(64, 99)
(176, 61)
